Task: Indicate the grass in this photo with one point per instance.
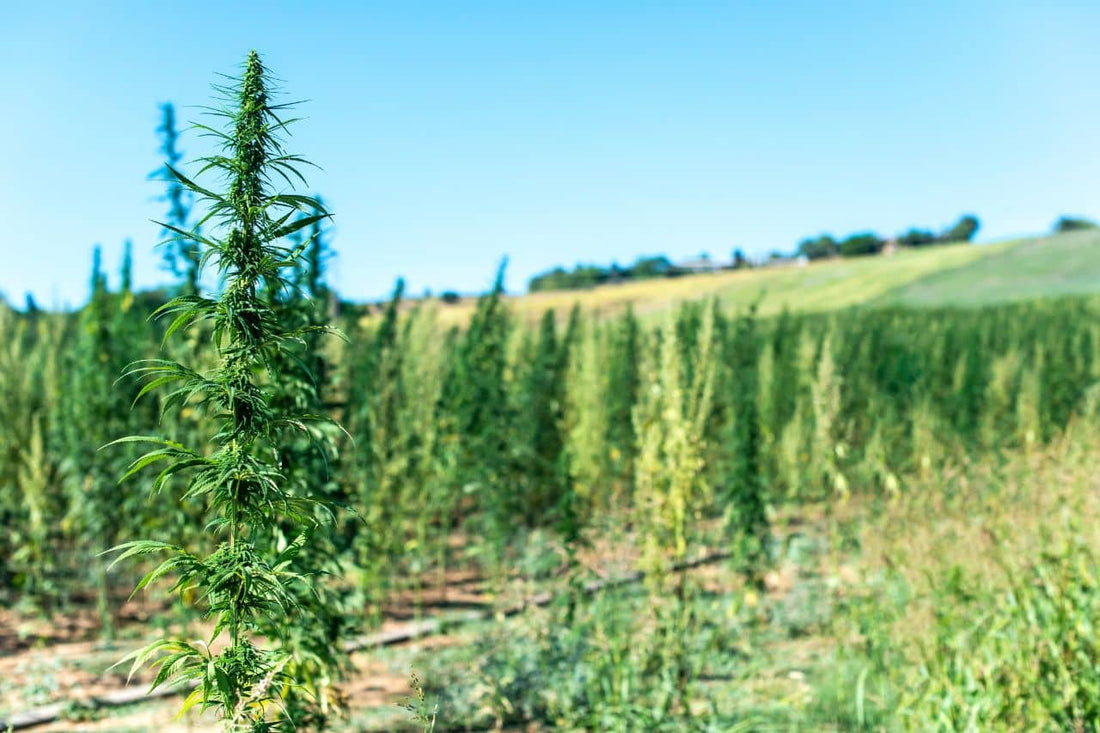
(1066, 264)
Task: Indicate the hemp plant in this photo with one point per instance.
(240, 477)
(182, 256)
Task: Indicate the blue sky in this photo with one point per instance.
(453, 133)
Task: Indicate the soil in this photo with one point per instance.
(61, 659)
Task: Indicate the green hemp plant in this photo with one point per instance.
(249, 579)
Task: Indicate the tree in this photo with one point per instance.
(917, 238)
(962, 231)
(864, 243)
(819, 247)
(1072, 224)
(647, 267)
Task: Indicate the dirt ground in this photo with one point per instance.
(61, 659)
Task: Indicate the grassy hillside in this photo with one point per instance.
(818, 286)
(962, 274)
(1066, 264)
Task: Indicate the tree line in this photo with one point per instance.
(868, 243)
(822, 246)
(813, 248)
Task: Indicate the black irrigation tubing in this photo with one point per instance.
(409, 632)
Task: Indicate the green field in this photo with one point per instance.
(1066, 264)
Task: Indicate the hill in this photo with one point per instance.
(1063, 264)
(962, 274)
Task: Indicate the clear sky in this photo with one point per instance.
(453, 133)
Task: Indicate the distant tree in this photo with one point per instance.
(587, 276)
(864, 243)
(739, 260)
(1072, 224)
(450, 297)
(917, 238)
(648, 267)
(817, 248)
(582, 276)
(551, 280)
(963, 230)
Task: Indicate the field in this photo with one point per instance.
(844, 468)
(1042, 267)
(862, 505)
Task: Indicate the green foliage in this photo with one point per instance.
(541, 414)
(820, 247)
(476, 400)
(917, 238)
(744, 494)
(1026, 660)
(1072, 224)
(587, 276)
(621, 394)
(475, 445)
(243, 479)
(962, 231)
(182, 254)
(670, 422)
(858, 245)
(599, 668)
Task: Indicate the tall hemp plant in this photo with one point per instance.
(240, 477)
